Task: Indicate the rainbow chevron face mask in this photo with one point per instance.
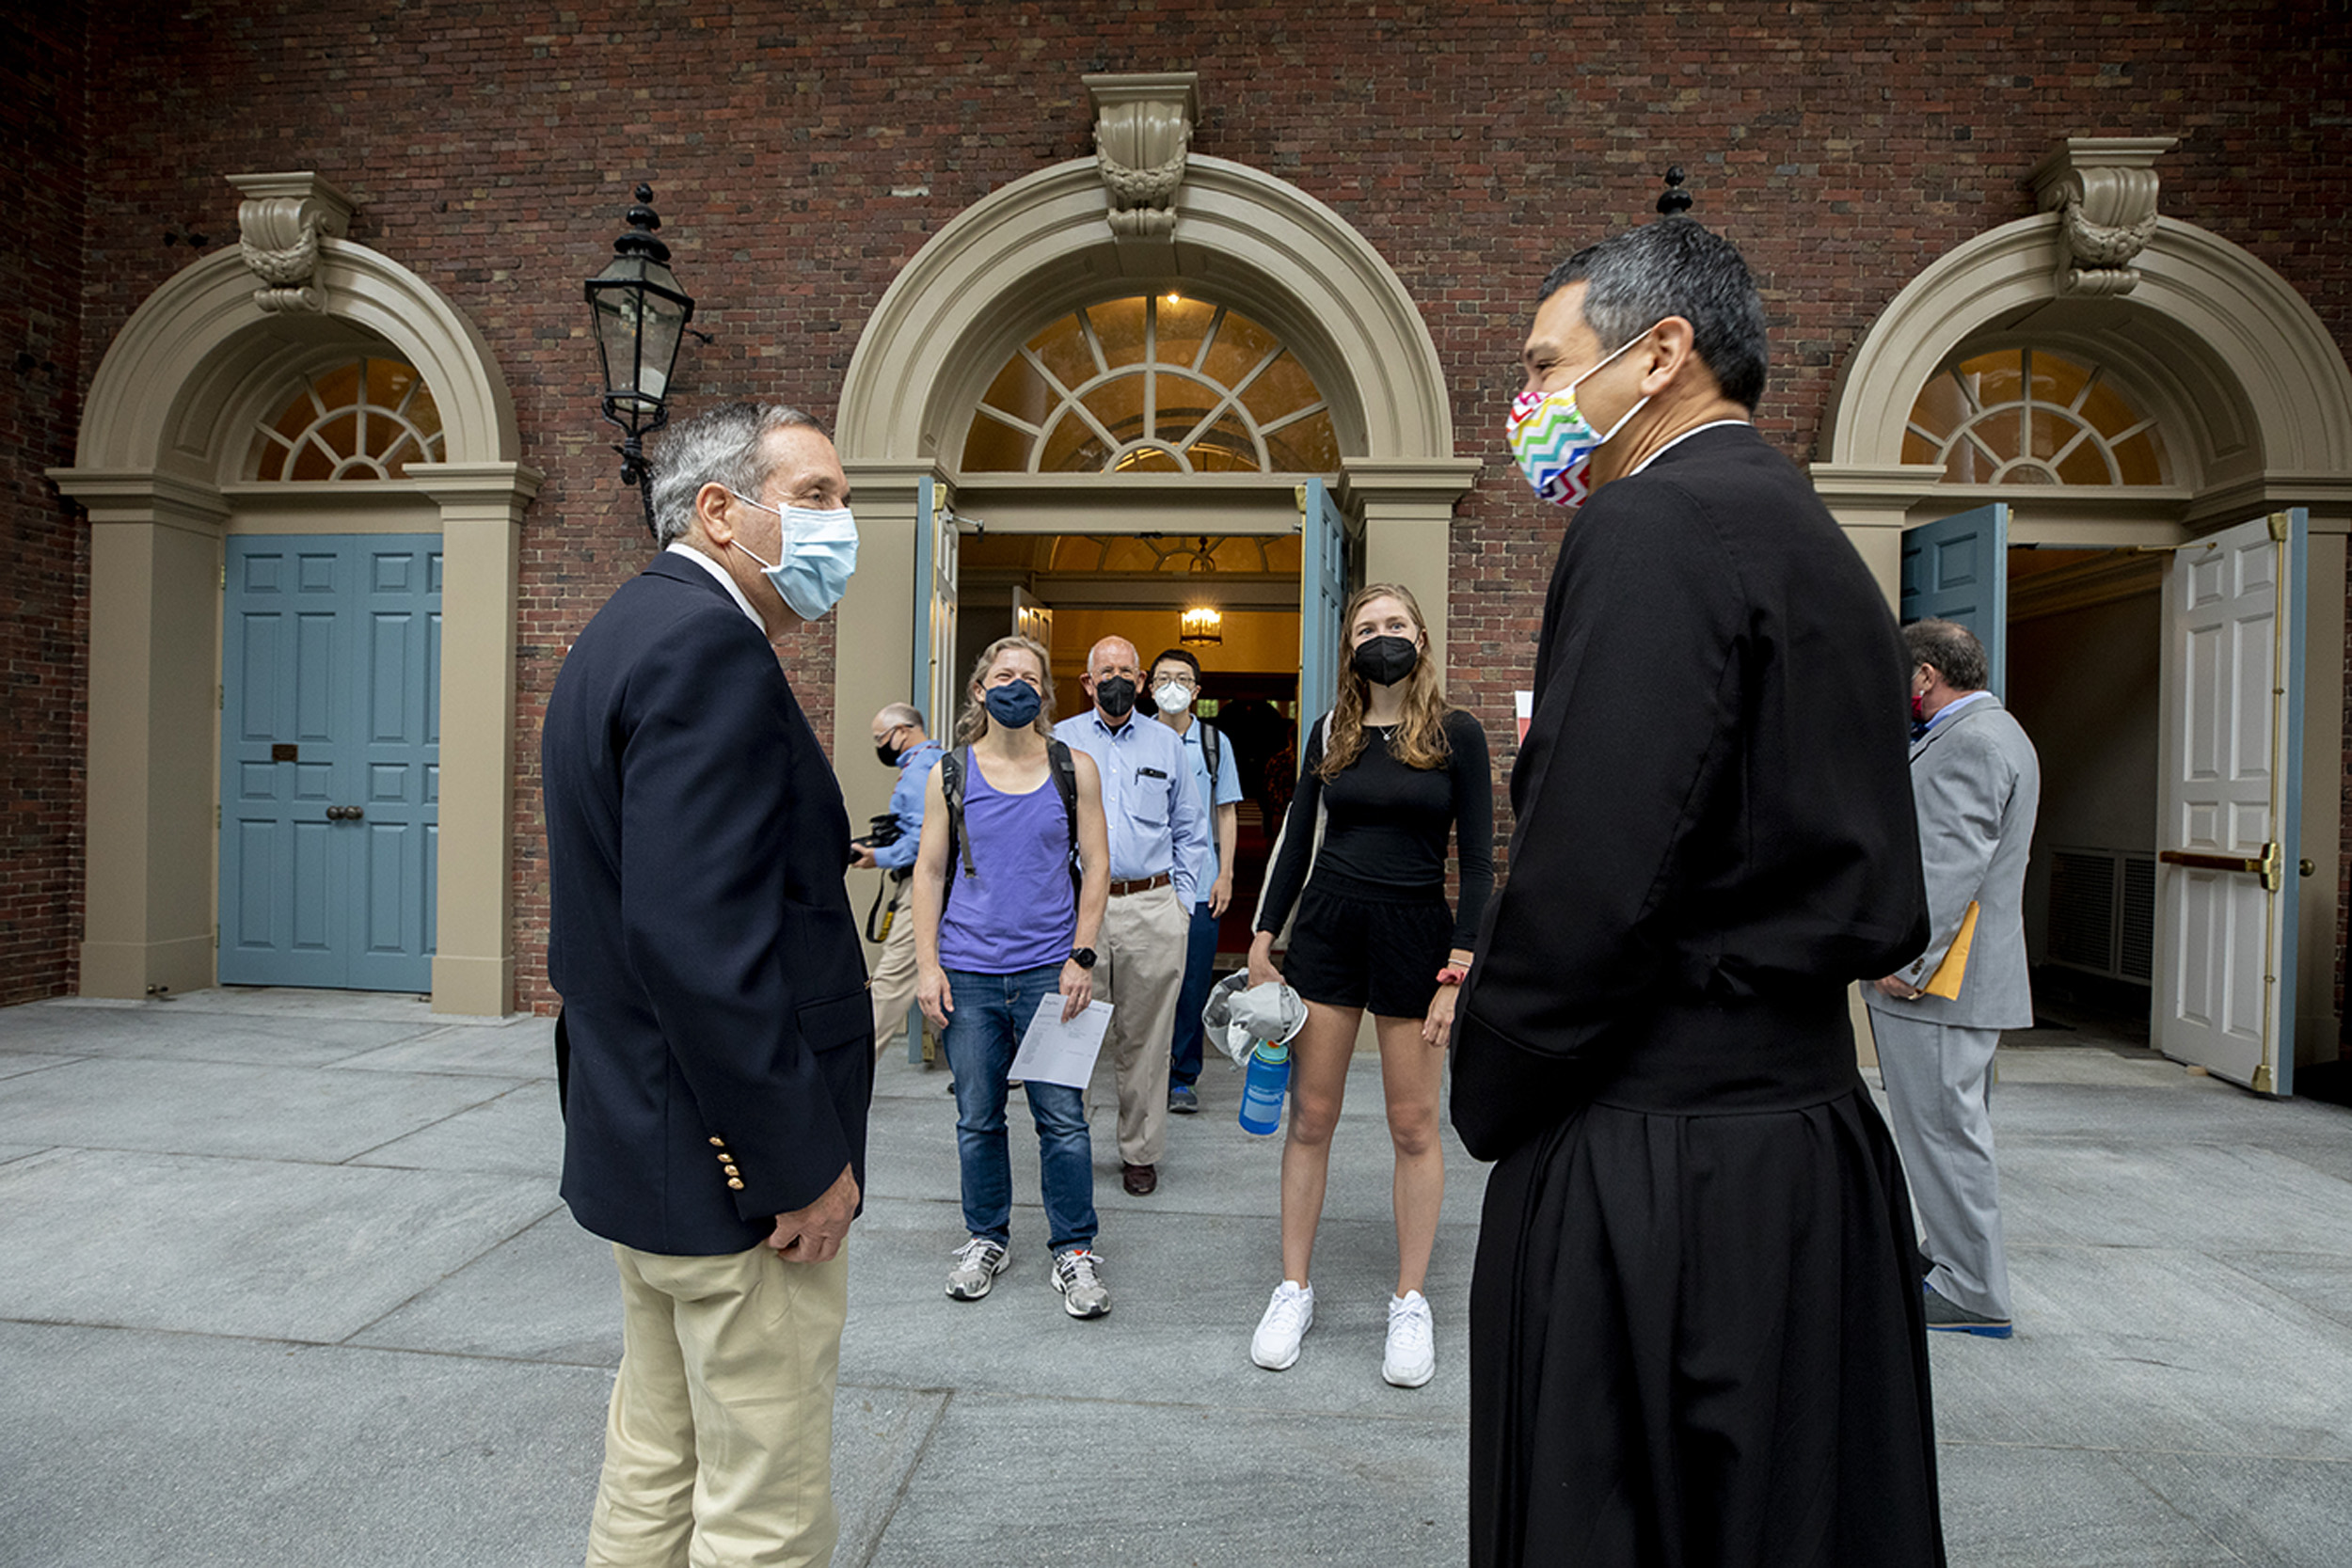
(1555, 443)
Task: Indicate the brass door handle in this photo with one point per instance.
(2265, 866)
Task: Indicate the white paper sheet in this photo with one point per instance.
(1057, 1052)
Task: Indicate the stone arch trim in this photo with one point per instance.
(160, 434)
(155, 400)
(1041, 247)
(2210, 306)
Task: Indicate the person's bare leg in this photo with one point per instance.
(1411, 1076)
(1319, 1059)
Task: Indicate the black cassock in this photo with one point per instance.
(1696, 1326)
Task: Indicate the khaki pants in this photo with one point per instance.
(1140, 969)
(719, 1446)
(894, 974)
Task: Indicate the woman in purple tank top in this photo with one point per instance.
(1003, 920)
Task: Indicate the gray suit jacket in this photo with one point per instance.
(1977, 783)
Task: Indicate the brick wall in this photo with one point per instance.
(1472, 143)
(43, 631)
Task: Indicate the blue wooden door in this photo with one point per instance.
(330, 735)
(1322, 599)
(1957, 569)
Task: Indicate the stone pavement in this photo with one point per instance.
(284, 1281)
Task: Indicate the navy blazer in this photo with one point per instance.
(716, 1043)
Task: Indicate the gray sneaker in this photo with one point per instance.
(978, 1261)
(1077, 1277)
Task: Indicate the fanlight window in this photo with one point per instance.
(1152, 385)
(2030, 416)
(366, 420)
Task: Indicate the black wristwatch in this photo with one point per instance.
(1082, 956)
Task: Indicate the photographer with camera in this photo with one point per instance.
(900, 742)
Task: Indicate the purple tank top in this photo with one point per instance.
(1017, 911)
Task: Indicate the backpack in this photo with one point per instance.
(951, 767)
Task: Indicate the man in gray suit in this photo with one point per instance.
(1977, 783)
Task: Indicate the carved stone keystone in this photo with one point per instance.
(1142, 132)
(280, 224)
(2104, 188)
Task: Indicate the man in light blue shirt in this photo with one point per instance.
(1174, 685)
(900, 742)
(1158, 833)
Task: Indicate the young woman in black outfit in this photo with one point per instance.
(1393, 772)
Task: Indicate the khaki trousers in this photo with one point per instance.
(719, 1446)
(894, 975)
(1139, 970)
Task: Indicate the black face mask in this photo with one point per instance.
(889, 754)
(1385, 661)
(1115, 696)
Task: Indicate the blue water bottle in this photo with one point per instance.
(1262, 1087)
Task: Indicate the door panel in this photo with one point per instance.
(335, 658)
(1957, 569)
(2231, 750)
(1322, 599)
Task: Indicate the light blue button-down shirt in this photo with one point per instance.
(1148, 804)
(1224, 790)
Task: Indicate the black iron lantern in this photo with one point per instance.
(639, 313)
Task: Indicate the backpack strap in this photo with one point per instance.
(1065, 772)
(1210, 741)
(951, 772)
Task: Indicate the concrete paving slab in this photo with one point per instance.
(294, 1001)
(2321, 1282)
(9, 1152)
(14, 1063)
(183, 1035)
(521, 1130)
(877, 1436)
(2294, 1514)
(229, 1109)
(1000, 1484)
(2027, 1507)
(2104, 1069)
(137, 1450)
(547, 1294)
(245, 1247)
(2218, 1196)
(2150, 1348)
(518, 1048)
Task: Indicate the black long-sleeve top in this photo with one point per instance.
(1387, 823)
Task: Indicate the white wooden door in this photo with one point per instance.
(2231, 764)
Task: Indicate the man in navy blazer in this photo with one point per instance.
(716, 1039)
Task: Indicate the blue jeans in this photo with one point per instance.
(993, 1012)
(1183, 1061)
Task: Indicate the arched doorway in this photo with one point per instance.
(1052, 245)
(173, 465)
(2233, 406)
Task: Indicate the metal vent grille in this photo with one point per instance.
(2082, 909)
(2137, 933)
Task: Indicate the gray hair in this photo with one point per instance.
(1674, 267)
(726, 445)
(897, 713)
(1951, 648)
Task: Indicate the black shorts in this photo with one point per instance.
(1358, 945)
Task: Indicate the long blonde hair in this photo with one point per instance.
(1420, 739)
(972, 721)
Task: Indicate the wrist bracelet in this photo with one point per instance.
(1452, 974)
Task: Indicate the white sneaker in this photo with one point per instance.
(978, 1264)
(1288, 1317)
(1413, 1354)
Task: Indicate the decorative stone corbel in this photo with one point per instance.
(280, 224)
(1142, 132)
(2104, 190)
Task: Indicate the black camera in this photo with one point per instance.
(881, 833)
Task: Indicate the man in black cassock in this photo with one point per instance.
(1696, 1334)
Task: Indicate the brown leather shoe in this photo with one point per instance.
(1142, 1180)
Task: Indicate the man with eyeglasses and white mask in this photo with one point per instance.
(1158, 830)
(1175, 685)
(714, 1055)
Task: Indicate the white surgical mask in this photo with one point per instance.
(820, 553)
(1173, 699)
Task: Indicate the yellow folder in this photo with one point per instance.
(1945, 982)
